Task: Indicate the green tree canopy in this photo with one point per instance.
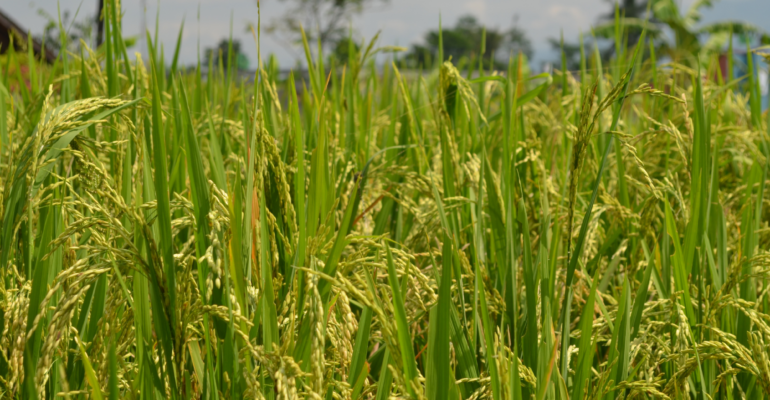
(324, 21)
(466, 38)
(239, 60)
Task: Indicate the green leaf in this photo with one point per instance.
(236, 241)
(358, 369)
(404, 336)
(299, 182)
(489, 344)
(529, 345)
(585, 347)
(386, 378)
(640, 300)
(177, 48)
(620, 344)
(93, 382)
(162, 197)
(199, 191)
(113, 380)
(681, 283)
(439, 341)
(269, 319)
(524, 98)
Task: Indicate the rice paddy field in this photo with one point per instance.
(368, 232)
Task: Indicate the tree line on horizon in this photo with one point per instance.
(675, 32)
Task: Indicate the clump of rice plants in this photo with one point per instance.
(381, 233)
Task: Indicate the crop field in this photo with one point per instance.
(368, 232)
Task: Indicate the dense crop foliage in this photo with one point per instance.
(381, 233)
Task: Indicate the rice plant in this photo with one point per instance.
(455, 233)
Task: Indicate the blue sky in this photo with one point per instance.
(402, 22)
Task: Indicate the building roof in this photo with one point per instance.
(9, 28)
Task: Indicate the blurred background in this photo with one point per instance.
(532, 28)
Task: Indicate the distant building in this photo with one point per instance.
(13, 33)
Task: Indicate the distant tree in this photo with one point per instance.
(461, 40)
(75, 30)
(465, 39)
(571, 53)
(420, 55)
(342, 49)
(516, 41)
(322, 20)
(674, 31)
(628, 10)
(241, 62)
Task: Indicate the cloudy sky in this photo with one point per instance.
(402, 22)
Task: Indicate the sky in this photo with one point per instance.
(401, 22)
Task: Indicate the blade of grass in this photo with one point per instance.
(358, 366)
(440, 339)
(404, 336)
(386, 378)
(585, 347)
(93, 382)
